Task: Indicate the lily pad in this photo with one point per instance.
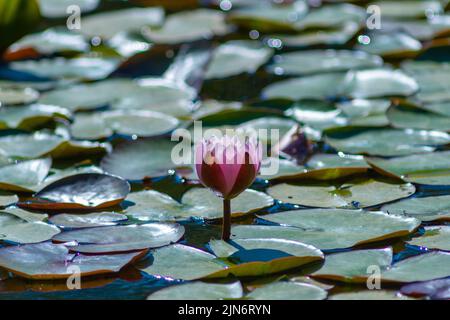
(385, 141)
(358, 193)
(40, 144)
(199, 291)
(403, 116)
(96, 219)
(121, 238)
(354, 266)
(313, 61)
(50, 41)
(425, 209)
(392, 45)
(83, 68)
(197, 202)
(424, 267)
(16, 230)
(181, 262)
(369, 295)
(142, 123)
(187, 26)
(7, 199)
(435, 289)
(80, 192)
(330, 229)
(236, 57)
(283, 290)
(436, 238)
(30, 117)
(24, 176)
(58, 8)
(140, 159)
(13, 96)
(430, 169)
(409, 9)
(107, 24)
(47, 261)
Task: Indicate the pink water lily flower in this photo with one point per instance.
(227, 166)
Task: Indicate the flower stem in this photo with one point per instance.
(226, 225)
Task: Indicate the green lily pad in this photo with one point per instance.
(385, 141)
(424, 267)
(330, 229)
(442, 108)
(24, 176)
(432, 168)
(392, 45)
(107, 24)
(26, 215)
(327, 161)
(197, 202)
(313, 61)
(187, 26)
(17, 230)
(181, 262)
(96, 219)
(369, 295)
(353, 266)
(13, 96)
(50, 41)
(58, 8)
(359, 108)
(437, 238)
(121, 238)
(140, 159)
(409, 9)
(269, 18)
(403, 116)
(331, 37)
(199, 291)
(80, 192)
(236, 57)
(84, 68)
(358, 193)
(425, 209)
(7, 199)
(45, 261)
(142, 123)
(31, 117)
(40, 144)
(284, 290)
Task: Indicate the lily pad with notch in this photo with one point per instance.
(425, 209)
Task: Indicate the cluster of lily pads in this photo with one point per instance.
(87, 178)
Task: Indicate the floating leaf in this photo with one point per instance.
(24, 176)
(140, 159)
(313, 61)
(12, 96)
(236, 57)
(424, 267)
(197, 202)
(385, 141)
(121, 238)
(330, 229)
(187, 26)
(437, 238)
(41, 144)
(96, 219)
(107, 24)
(142, 123)
(58, 8)
(75, 68)
(369, 295)
(26, 215)
(359, 193)
(435, 289)
(425, 209)
(14, 229)
(7, 199)
(30, 117)
(409, 9)
(392, 45)
(47, 261)
(283, 290)
(199, 291)
(354, 266)
(80, 192)
(411, 117)
(432, 168)
(182, 262)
